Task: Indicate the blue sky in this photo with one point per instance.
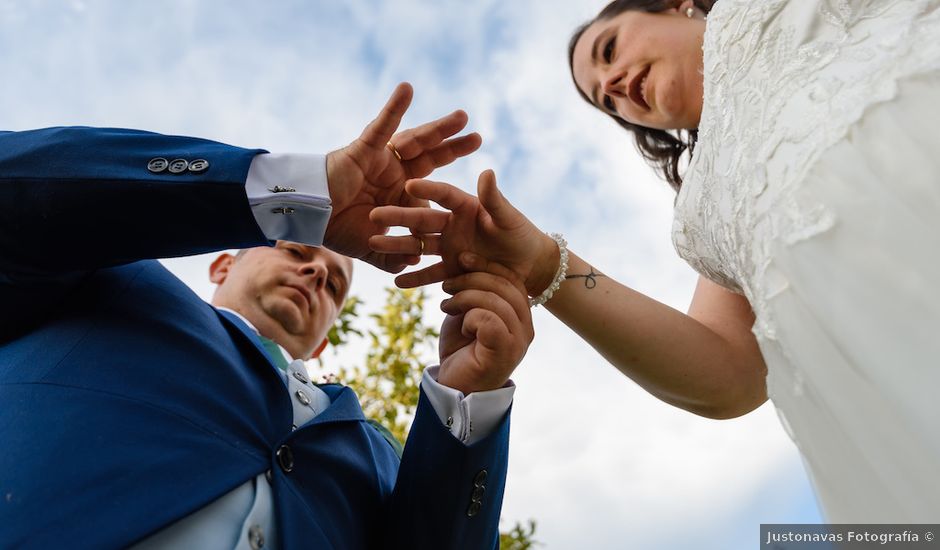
(598, 462)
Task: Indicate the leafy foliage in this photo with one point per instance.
(519, 537)
(343, 327)
(388, 383)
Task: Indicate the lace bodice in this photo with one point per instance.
(784, 80)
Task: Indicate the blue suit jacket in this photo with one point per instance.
(126, 402)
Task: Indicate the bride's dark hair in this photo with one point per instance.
(662, 149)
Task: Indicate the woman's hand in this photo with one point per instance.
(474, 233)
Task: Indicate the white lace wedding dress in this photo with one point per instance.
(815, 192)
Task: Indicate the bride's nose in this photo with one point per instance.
(614, 85)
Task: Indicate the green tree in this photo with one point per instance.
(519, 537)
(400, 346)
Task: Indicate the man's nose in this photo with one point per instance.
(315, 273)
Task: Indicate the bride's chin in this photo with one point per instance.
(681, 117)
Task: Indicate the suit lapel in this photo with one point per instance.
(344, 406)
(249, 335)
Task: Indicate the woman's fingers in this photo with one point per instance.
(470, 262)
(432, 274)
(444, 194)
(504, 214)
(392, 263)
(419, 220)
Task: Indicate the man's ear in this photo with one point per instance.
(220, 267)
(316, 353)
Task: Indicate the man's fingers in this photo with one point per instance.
(406, 244)
(421, 220)
(472, 262)
(444, 194)
(503, 213)
(380, 130)
(442, 155)
(468, 301)
(432, 274)
(512, 295)
(414, 141)
(488, 329)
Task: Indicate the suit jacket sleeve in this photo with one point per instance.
(76, 199)
(448, 495)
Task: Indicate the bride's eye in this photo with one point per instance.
(609, 49)
(609, 104)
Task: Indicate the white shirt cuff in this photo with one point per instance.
(289, 196)
(469, 418)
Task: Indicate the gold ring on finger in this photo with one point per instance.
(393, 150)
(420, 245)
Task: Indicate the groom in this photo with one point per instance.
(133, 413)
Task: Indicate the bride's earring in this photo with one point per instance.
(690, 12)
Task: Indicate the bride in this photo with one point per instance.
(809, 206)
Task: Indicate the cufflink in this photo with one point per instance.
(279, 189)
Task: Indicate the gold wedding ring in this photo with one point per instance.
(420, 245)
(393, 150)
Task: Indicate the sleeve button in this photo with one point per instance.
(474, 508)
(198, 166)
(178, 166)
(157, 165)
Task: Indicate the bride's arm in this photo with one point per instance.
(706, 362)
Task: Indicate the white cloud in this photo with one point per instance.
(596, 460)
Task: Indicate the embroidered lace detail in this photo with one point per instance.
(785, 80)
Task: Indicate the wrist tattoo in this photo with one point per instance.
(590, 280)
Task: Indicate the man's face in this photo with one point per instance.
(291, 293)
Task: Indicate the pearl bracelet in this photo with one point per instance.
(547, 294)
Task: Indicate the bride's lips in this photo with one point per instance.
(637, 89)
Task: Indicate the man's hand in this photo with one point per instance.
(367, 173)
(487, 330)
(474, 233)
